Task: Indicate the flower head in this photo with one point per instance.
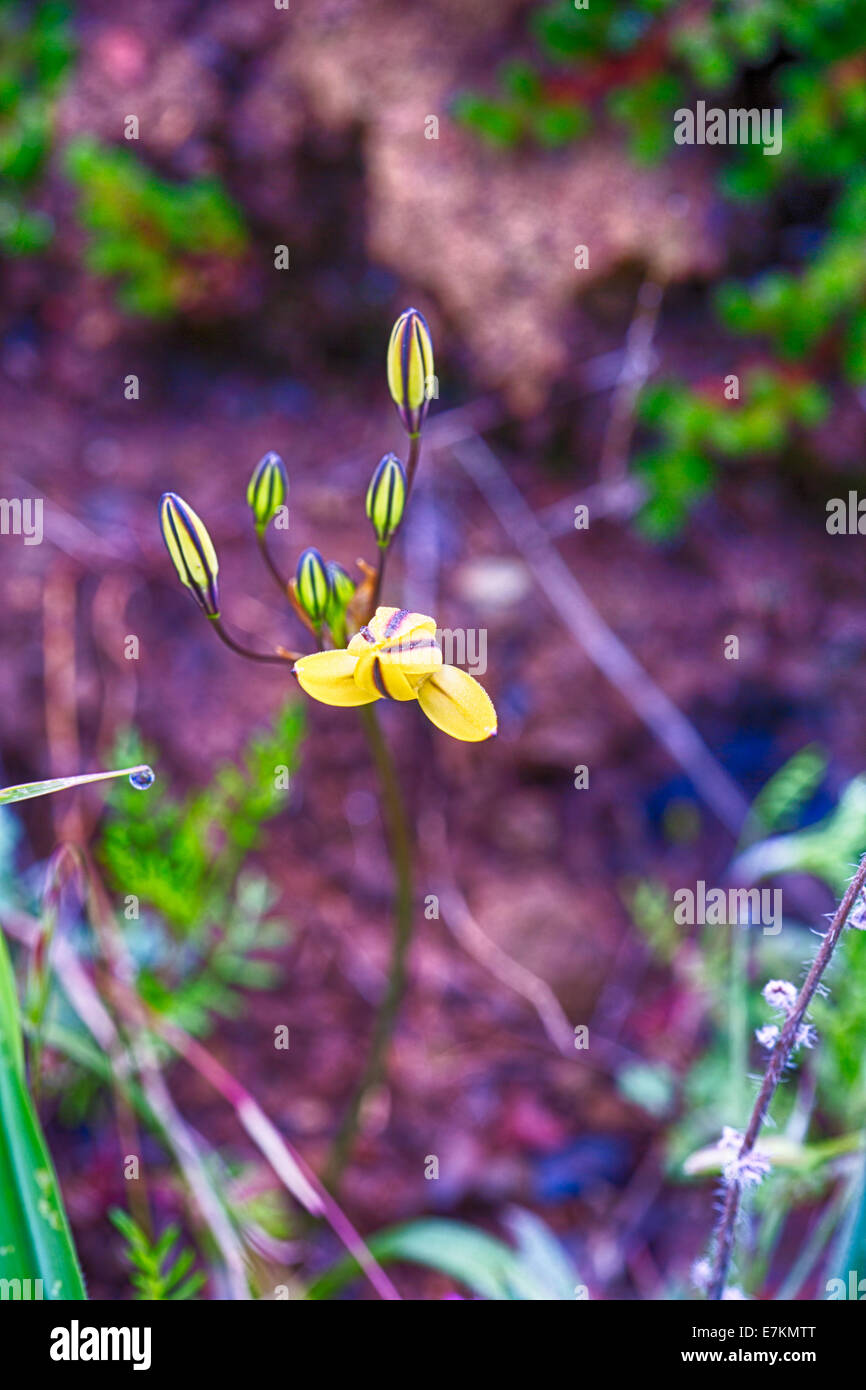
(268, 489)
(396, 657)
(191, 549)
(767, 1036)
(780, 995)
(410, 368)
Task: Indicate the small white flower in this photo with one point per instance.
(752, 1169)
(781, 995)
(749, 1170)
(702, 1273)
(767, 1036)
(806, 1036)
(733, 1295)
(857, 917)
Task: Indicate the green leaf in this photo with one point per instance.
(484, 1264)
(25, 790)
(36, 1240)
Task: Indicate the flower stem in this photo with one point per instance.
(412, 462)
(400, 844)
(778, 1060)
(270, 563)
(245, 651)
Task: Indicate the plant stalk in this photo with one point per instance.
(778, 1060)
(400, 844)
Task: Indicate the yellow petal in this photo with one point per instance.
(329, 677)
(391, 624)
(376, 677)
(458, 705)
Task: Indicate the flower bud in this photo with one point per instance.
(312, 585)
(191, 549)
(342, 586)
(410, 368)
(268, 488)
(342, 589)
(386, 497)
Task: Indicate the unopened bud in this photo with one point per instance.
(386, 497)
(191, 549)
(312, 585)
(410, 368)
(268, 489)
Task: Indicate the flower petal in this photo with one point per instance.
(458, 705)
(391, 624)
(329, 677)
(377, 677)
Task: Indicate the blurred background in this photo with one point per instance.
(596, 496)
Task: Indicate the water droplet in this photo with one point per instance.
(142, 778)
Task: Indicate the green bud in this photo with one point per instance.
(191, 550)
(386, 497)
(410, 368)
(268, 489)
(342, 587)
(312, 585)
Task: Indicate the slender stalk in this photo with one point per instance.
(400, 844)
(380, 575)
(412, 463)
(778, 1060)
(300, 1180)
(245, 651)
(270, 563)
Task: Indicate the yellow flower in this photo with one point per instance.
(396, 657)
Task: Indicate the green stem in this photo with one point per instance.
(245, 651)
(270, 563)
(380, 575)
(412, 463)
(400, 844)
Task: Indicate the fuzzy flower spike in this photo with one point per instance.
(396, 657)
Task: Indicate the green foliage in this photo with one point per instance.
(156, 1276)
(36, 1240)
(184, 858)
(35, 53)
(698, 428)
(633, 65)
(522, 113)
(535, 1269)
(156, 239)
(780, 800)
(798, 311)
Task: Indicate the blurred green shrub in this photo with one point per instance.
(159, 241)
(696, 428)
(631, 66)
(156, 1277)
(205, 914)
(35, 53)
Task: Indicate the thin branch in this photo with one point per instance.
(778, 1060)
(575, 610)
(280, 657)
